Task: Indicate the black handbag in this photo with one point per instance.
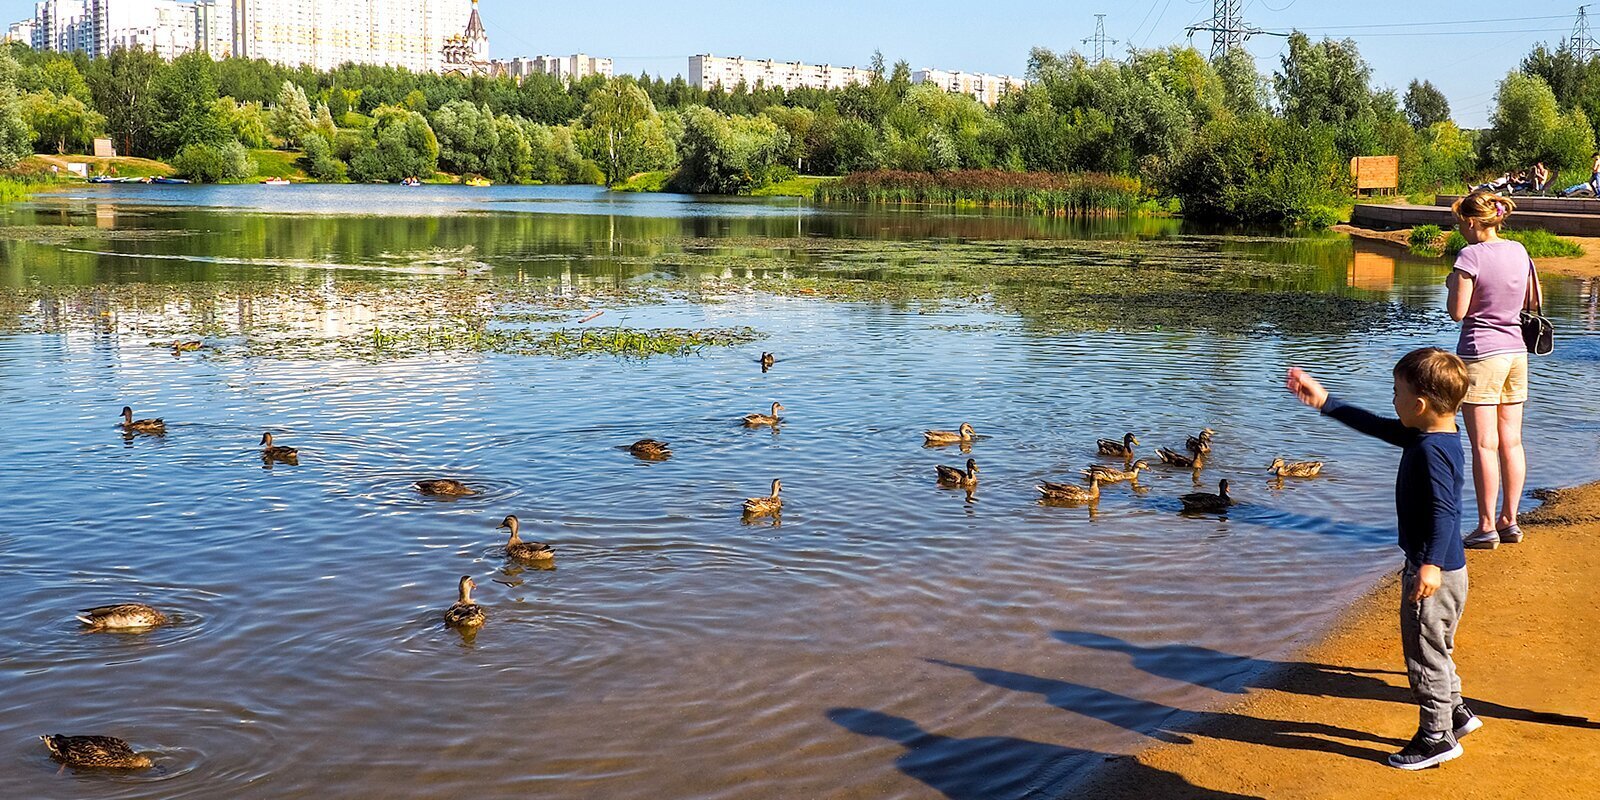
(1537, 332)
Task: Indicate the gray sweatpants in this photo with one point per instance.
(1428, 635)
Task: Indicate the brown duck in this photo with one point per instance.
(444, 487)
(1114, 475)
(1297, 469)
(1177, 459)
(150, 426)
(765, 506)
(273, 452)
(1124, 448)
(524, 551)
(103, 752)
(1070, 492)
(464, 613)
(963, 434)
(121, 617)
(950, 476)
(1206, 502)
(1200, 444)
(651, 450)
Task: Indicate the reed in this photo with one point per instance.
(12, 190)
(1064, 194)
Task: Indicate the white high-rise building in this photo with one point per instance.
(987, 89)
(574, 67)
(96, 27)
(213, 27)
(327, 33)
(21, 31)
(708, 71)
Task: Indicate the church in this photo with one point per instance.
(467, 53)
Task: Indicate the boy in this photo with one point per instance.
(1428, 387)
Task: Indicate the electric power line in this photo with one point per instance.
(1099, 38)
(1227, 27)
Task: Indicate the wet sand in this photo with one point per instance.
(1527, 655)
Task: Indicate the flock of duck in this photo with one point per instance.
(467, 616)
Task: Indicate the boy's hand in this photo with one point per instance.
(1428, 580)
(1306, 388)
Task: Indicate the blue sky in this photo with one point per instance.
(1402, 39)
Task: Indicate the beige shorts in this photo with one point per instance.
(1497, 380)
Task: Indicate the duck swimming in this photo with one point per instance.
(524, 551)
(1208, 503)
(1072, 493)
(950, 476)
(464, 613)
(444, 487)
(757, 420)
(964, 434)
(121, 617)
(765, 506)
(767, 360)
(1201, 444)
(1178, 459)
(1112, 447)
(104, 752)
(651, 450)
(273, 452)
(1297, 469)
(1114, 475)
(155, 427)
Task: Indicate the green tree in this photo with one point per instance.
(1527, 126)
(291, 115)
(1325, 82)
(61, 78)
(210, 163)
(467, 137)
(185, 97)
(123, 85)
(797, 123)
(1243, 90)
(624, 129)
(319, 161)
(1259, 169)
(248, 121)
(15, 137)
(1425, 105)
(61, 124)
(727, 155)
(399, 144)
(512, 159)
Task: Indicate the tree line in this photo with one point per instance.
(1228, 141)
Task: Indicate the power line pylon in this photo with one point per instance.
(1582, 41)
(1099, 38)
(1227, 27)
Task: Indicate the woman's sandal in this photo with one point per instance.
(1511, 534)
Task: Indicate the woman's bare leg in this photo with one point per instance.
(1484, 431)
(1513, 464)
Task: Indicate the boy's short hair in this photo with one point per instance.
(1435, 375)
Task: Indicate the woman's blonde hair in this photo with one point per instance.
(1487, 208)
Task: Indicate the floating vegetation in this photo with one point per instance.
(1080, 193)
(562, 343)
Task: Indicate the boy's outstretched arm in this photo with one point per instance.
(1309, 391)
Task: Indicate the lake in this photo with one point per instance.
(884, 638)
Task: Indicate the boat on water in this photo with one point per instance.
(275, 182)
(479, 182)
(169, 180)
(411, 182)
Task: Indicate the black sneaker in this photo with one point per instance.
(1464, 721)
(1422, 753)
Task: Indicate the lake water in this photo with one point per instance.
(887, 638)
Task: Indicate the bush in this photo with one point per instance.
(1424, 237)
(1259, 170)
(319, 162)
(1323, 217)
(210, 163)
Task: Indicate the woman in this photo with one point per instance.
(1488, 290)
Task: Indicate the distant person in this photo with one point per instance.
(1428, 387)
(1542, 176)
(1488, 289)
(1594, 180)
(1499, 184)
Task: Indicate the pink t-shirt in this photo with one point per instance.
(1500, 270)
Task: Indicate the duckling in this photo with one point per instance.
(180, 346)
(1207, 502)
(1297, 469)
(765, 506)
(1072, 493)
(524, 551)
(964, 434)
(950, 476)
(767, 360)
(465, 613)
(444, 487)
(272, 452)
(1113, 475)
(104, 752)
(1178, 459)
(651, 450)
(757, 420)
(155, 427)
(1201, 444)
(1124, 448)
(121, 617)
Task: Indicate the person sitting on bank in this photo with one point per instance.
(1593, 185)
(1428, 387)
(1497, 185)
(1542, 176)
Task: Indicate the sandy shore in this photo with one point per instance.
(1529, 656)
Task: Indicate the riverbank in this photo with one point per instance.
(1584, 266)
(1322, 725)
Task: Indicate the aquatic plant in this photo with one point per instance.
(1080, 193)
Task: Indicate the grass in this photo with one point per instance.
(1066, 194)
(1430, 240)
(799, 186)
(126, 167)
(645, 182)
(277, 164)
(12, 190)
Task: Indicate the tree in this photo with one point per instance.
(1243, 90)
(398, 145)
(185, 97)
(15, 137)
(247, 121)
(291, 115)
(1527, 126)
(1324, 82)
(1425, 105)
(511, 161)
(319, 161)
(727, 155)
(210, 163)
(467, 137)
(61, 124)
(62, 79)
(123, 87)
(624, 129)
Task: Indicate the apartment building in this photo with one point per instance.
(213, 27)
(20, 31)
(985, 88)
(327, 33)
(708, 71)
(574, 67)
(96, 27)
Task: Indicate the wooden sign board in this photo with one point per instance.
(1375, 172)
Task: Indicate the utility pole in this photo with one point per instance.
(1582, 41)
(1099, 38)
(1227, 27)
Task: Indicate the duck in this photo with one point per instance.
(1072, 493)
(180, 346)
(963, 434)
(152, 426)
(444, 487)
(950, 476)
(1296, 469)
(757, 420)
(1113, 475)
(524, 551)
(1112, 447)
(273, 452)
(465, 613)
(104, 752)
(121, 617)
(1201, 443)
(765, 506)
(1177, 459)
(651, 450)
(1208, 502)
(767, 360)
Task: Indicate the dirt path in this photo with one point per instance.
(1529, 655)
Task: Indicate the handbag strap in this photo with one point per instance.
(1534, 301)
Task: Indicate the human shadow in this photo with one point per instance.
(1226, 672)
(1174, 725)
(988, 767)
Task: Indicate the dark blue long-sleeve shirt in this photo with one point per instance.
(1427, 492)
